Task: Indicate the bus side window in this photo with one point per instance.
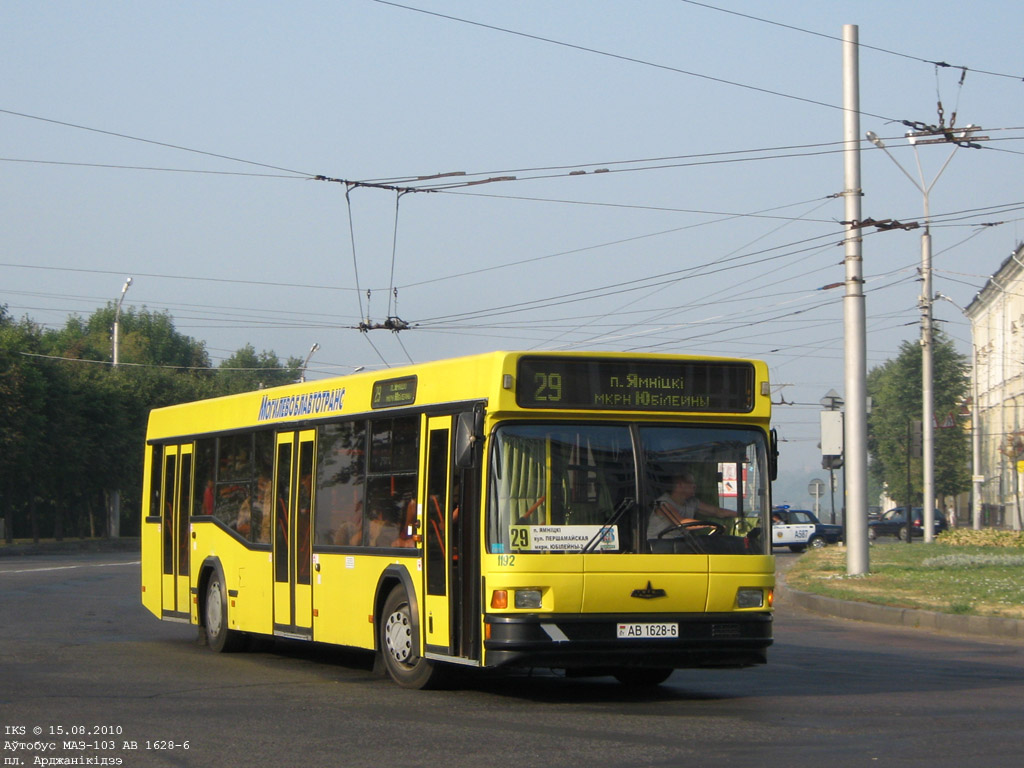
(340, 473)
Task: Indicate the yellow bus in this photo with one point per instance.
(505, 510)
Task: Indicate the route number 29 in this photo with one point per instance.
(549, 387)
(520, 536)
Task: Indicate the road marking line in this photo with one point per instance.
(70, 567)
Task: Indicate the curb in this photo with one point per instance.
(992, 627)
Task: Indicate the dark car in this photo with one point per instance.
(799, 529)
(894, 523)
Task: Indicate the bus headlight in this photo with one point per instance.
(528, 598)
(749, 598)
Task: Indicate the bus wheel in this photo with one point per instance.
(396, 644)
(640, 676)
(218, 637)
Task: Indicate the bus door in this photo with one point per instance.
(293, 504)
(440, 517)
(176, 501)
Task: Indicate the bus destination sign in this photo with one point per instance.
(392, 393)
(635, 385)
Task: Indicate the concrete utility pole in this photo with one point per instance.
(855, 343)
(977, 478)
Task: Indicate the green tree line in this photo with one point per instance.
(72, 426)
(895, 390)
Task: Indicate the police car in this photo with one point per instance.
(799, 529)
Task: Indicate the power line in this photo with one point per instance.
(149, 168)
(622, 287)
(108, 363)
(151, 141)
(839, 39)
(622, 241)
(233, 281)
(628, 59)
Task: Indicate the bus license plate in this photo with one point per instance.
(633, 631)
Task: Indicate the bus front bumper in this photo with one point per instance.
(596, 640)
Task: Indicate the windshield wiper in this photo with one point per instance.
(624, 506)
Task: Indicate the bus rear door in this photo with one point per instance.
(437, 538)
(292, 559)
(176, 501)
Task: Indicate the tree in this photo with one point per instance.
(247, 370)
(22, 419)
(895, 389)
(146, 338)
(72, 427)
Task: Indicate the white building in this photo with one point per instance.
(997, 332)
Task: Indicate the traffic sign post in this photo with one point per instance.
(817, 489)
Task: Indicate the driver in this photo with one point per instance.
(680, 505)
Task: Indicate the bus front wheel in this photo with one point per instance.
(218, 637)
(395, 628)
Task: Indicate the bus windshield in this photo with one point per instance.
(564, 487)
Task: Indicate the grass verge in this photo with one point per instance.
(977, 573)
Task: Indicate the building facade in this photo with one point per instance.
(997, 333)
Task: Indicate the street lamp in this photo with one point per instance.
(302, 373)
(927, 375)
(114, 508)
(117, 319)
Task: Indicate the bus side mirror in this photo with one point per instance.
(468, 429)
(773, 456)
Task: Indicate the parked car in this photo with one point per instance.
(874, 513)
(799, 529)
(894, 523)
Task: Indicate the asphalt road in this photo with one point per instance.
(99, 677)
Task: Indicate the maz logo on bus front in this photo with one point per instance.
(323, 401)
(648, 593)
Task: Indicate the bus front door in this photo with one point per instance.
(292, 554)
(439, 518)
(176, 501)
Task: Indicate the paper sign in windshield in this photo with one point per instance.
(565, 538)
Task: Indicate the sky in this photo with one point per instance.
(655, 176)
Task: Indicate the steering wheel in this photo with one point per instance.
(717, 529)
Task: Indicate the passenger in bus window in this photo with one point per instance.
(243, 524)
(263, 509)
(208, 498)
(679, 504)
(383, 527)
(409, 525)
(348, 526)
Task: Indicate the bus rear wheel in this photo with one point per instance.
(218, 637)
(395, 630)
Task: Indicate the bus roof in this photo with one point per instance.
(590, 381)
